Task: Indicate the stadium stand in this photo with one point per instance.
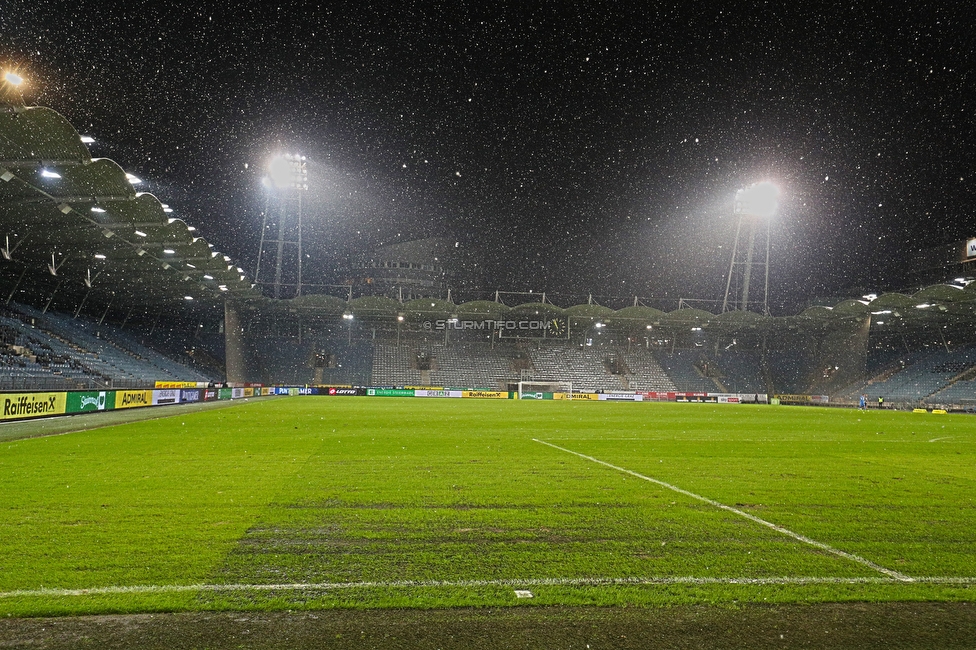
(681, 367)
(52, 351)
(916, 378)
(585, 367)
(740, 371)
(645, 373)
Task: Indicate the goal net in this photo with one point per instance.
(545, 390)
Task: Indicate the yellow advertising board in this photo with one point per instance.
(485, 394)
(127, 399)
(581, 396)
(176, 384)
(17, 406)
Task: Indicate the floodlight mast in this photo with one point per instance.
(287, 182)
(754, 206)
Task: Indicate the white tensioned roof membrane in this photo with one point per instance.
(79, 219)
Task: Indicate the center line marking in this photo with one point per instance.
(779, 529)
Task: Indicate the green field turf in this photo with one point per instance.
(313, 502)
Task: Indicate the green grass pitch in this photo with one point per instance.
(313, 502)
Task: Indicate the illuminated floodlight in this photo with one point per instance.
(347, 316)
(168, 251)
(289, 172)
(47, 173)
(87, 139)
(13, 78)
(924, 305)
(187, 297)
(172, 220)
(191, 229)
(190, 265)
(759, 200)
(884, 311)
(99, 256)
(141, 234)
(207, 277)
(132, 178)
(98, 210)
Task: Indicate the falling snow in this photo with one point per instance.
(569, 148)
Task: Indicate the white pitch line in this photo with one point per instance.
(779, 529)
(527, 582)
(942, 438)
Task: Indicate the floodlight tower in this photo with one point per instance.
(287, 182)
(754, 206)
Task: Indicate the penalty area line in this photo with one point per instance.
(779, 529)
(527, 582)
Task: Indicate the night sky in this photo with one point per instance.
(572, 149)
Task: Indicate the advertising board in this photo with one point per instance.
(390, 392)
(83, 401)
(486, 394)
(165, 396)
(127, 399)
(621, 397)
(17, 406)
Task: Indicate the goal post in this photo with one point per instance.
(545, 390)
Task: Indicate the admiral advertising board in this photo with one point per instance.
(127, 399)
(83, 401)
(17, 406)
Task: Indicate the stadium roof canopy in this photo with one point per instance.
(79, 219)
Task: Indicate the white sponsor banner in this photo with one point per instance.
(165, 396)
(236, 393)
(621, 397)
(438, 393)
(971, 248)
(740, 398)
